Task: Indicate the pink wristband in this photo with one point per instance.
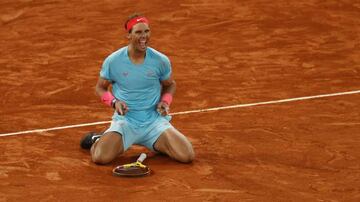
(106, 98)
(167, 98)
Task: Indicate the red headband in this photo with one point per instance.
(134, 21)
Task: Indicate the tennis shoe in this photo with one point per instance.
(89, 139)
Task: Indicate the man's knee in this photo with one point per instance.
(99, 157)
(186, 156)
(180, 148)
(107, 148)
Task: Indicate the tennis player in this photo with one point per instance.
(142, 89)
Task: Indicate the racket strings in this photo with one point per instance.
(134, 169)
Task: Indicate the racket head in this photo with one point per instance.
(136, 169)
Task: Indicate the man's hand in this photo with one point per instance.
(121, 107)
(163, 108)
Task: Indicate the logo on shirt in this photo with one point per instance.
(150, 73)
(125, 74)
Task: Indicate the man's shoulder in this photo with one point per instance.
(157, 54)
(118, 54)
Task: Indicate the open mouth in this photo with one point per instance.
(143, 43)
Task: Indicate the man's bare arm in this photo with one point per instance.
(102, 86)
(168, 86)
(168, 90)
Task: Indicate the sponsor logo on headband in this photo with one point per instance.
(135, 21)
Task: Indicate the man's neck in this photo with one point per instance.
(136, 57)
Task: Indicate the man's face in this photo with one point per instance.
(140, 36)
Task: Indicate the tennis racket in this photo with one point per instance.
(136, 169)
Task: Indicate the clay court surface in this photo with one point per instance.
(223, 53)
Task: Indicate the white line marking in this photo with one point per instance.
(189, 112)
(218, 190)
(55, 128)
(268, 102)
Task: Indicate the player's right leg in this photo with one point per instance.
(107, 148)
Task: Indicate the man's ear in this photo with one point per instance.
(128, 36)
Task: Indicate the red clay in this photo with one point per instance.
(223, 53)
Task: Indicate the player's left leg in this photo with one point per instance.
(176, 145)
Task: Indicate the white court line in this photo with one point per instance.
(189, 112)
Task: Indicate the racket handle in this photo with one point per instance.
(141, 158)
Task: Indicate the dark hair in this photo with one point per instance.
(132, 16)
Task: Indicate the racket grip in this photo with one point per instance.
(141, 158)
